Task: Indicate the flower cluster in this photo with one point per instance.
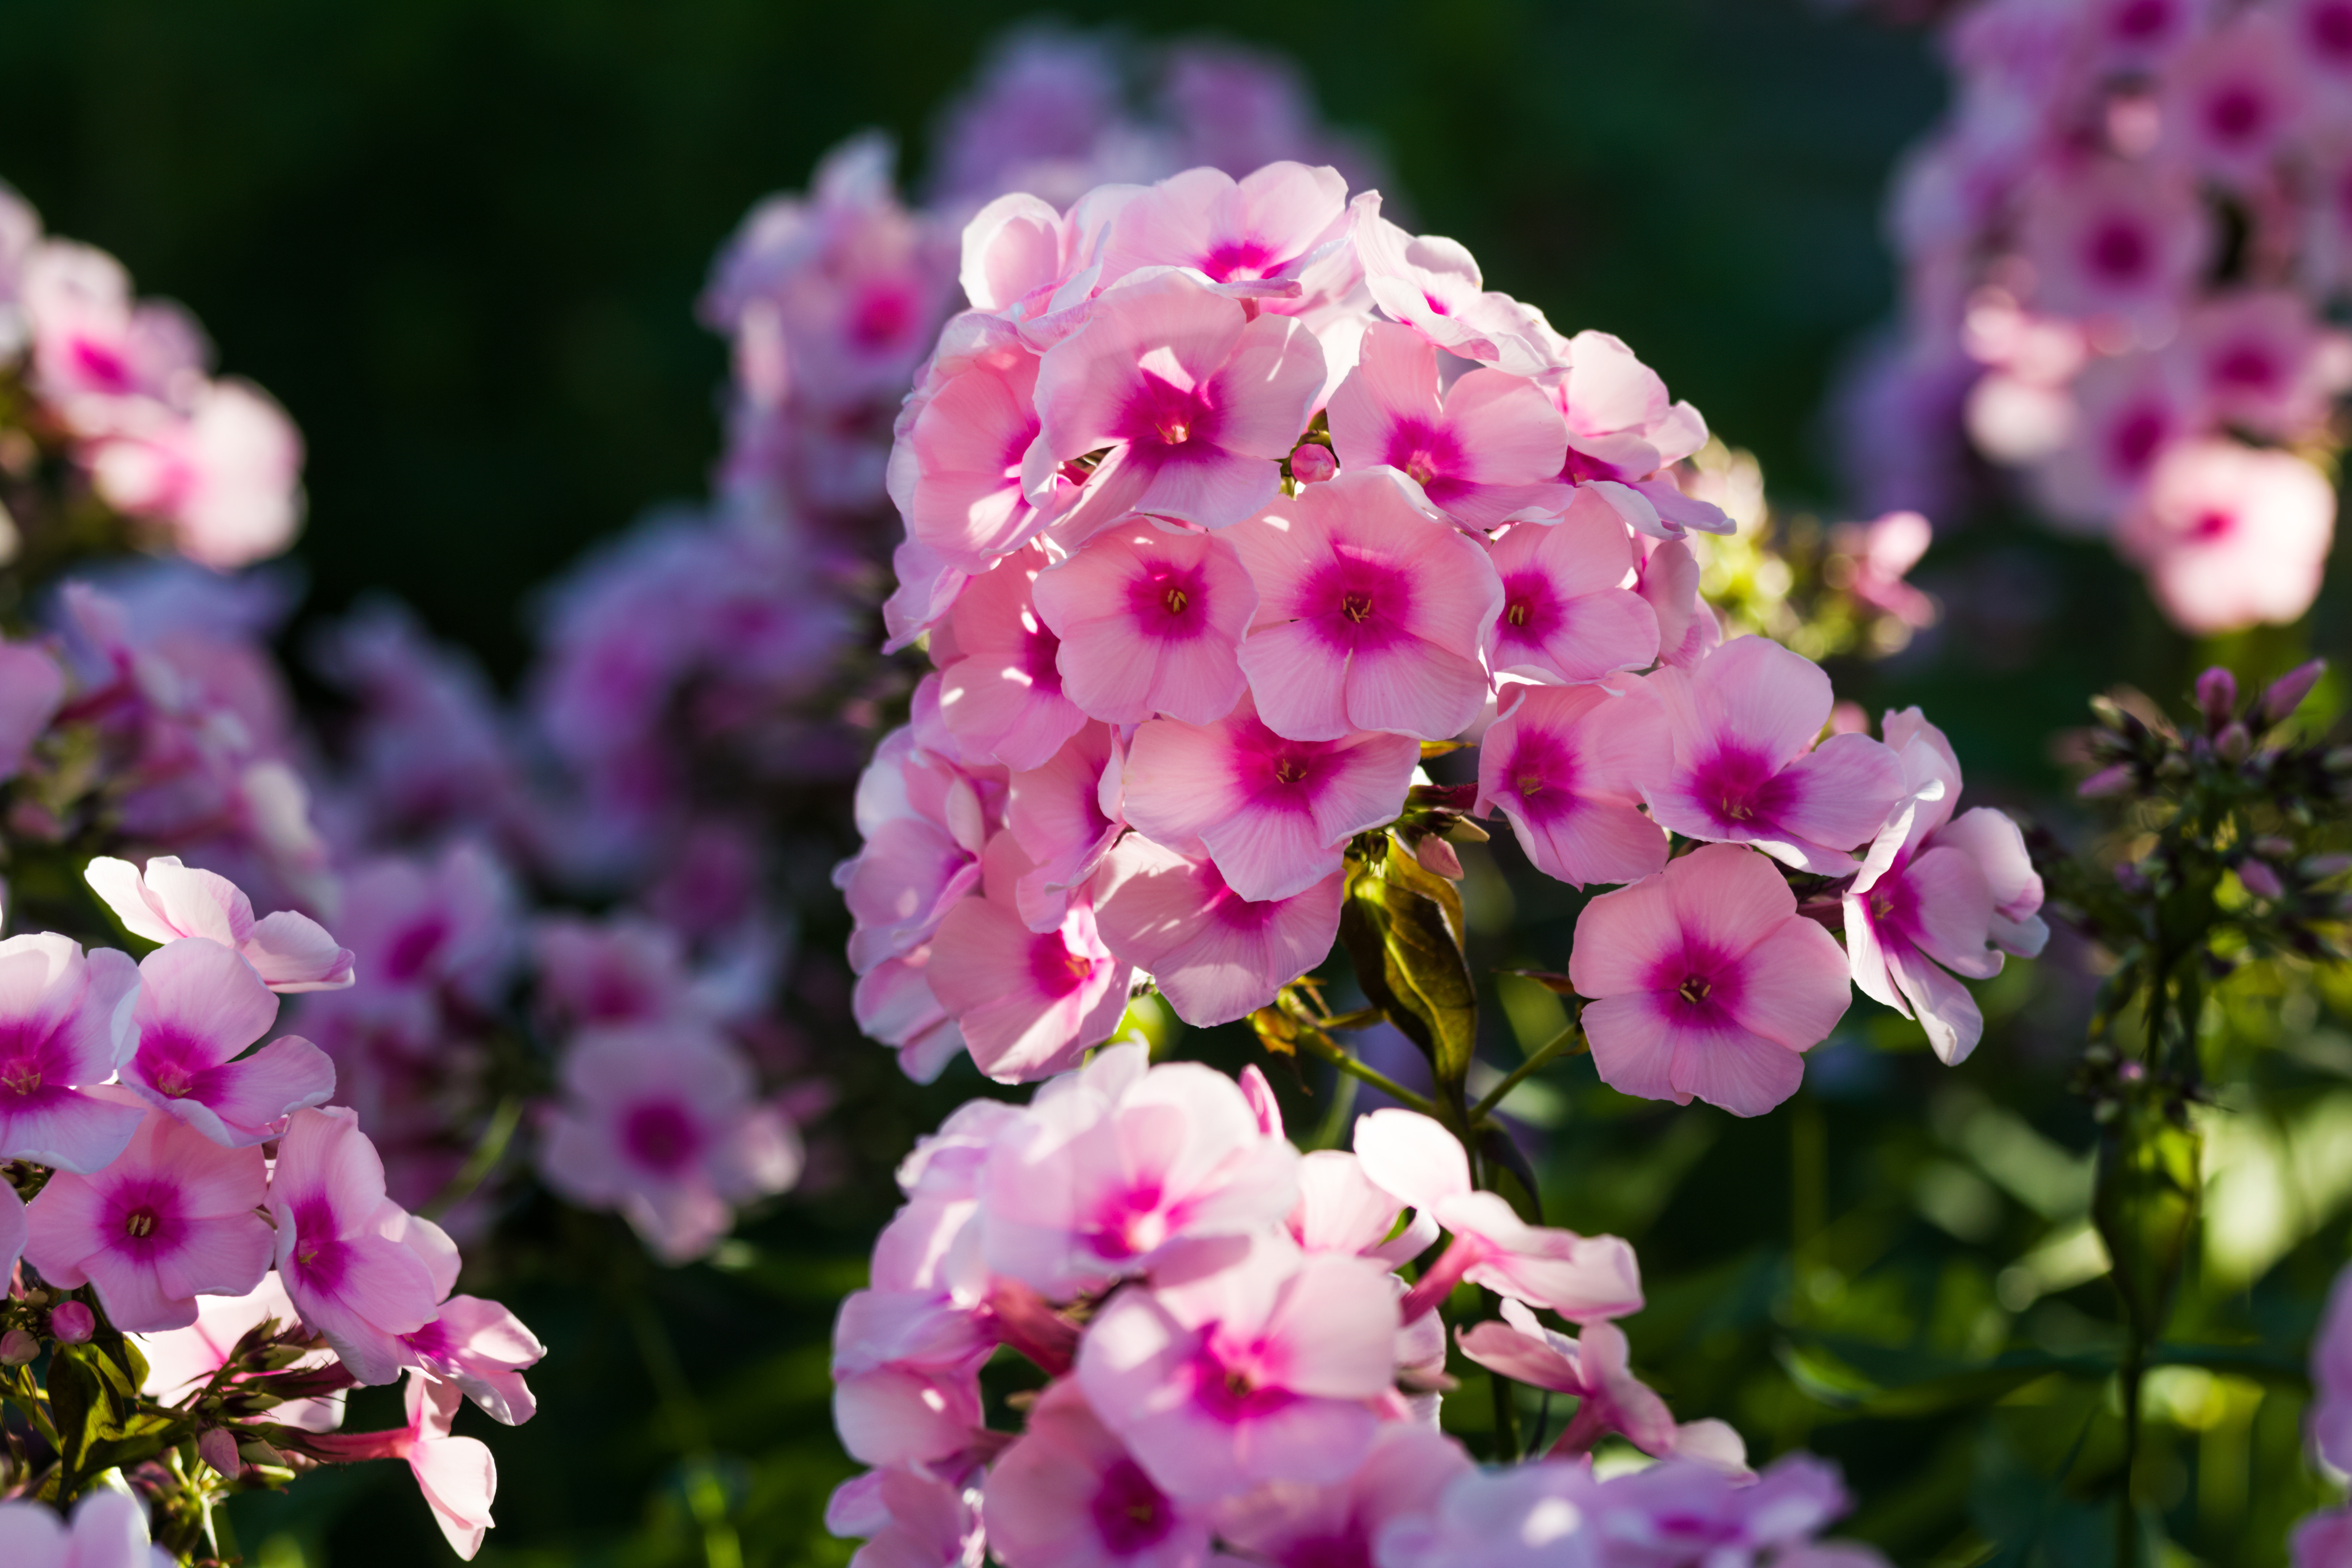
(1232, 1360)
(2123, 249)
(200, 1197)
(1226, 502)
(120, 391)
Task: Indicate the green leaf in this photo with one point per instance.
(1402, 926)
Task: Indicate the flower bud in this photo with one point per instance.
(2260, 879)
(72, 1323)
(218, 1448)
(2216, 695)
(2117, 780)
(1312, 463)
(2287, 692)
(2270, 846)
(18, 1348)
(1436, 854)
(2320, 868)
(2234, 743)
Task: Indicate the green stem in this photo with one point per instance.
(1567, 1042)
(706, 1496)
(2134, 1366)
(485, 1158)
(1378, 1080)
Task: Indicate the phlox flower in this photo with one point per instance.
(98, 357)
(2129, 410)
(1196, 403)
(1584, 1278)
(1746, 770)
(1540, 1515)
(1065, 817)
(2267, 364)
(1369, 612)
(957, 468)
(227, 476)
(32, 689)
(1432, 285)
(1151, 622)
(1067, 1494)
(1117, 1162)
(1706, 982)
(2231, 535)
(1625, 432)
(910, 1519)
(1667, 580)
(663, 1123)
(1286, 1524)
(1275, 815)
(1937, 893)
(457, 1476)
(2322, 1539)
(1594, 1366)
(1487, 451)
(483, 1350)
(893, 1003)
(1567, 615)
(1215, 955)
(418, 925)
(1565, 765)
(1276, 235)
(174, 1216)
(2111, 238)
(1341, 1210)
(906, 1368)
(924, 822)
(2228, 103)
(625, 970)
(1228, 1372)
(1029, 1002)
(1684, 1511)
(65, 1022)
(199, 1006)
(359, 1269)
(108, 1529)
(999, 685)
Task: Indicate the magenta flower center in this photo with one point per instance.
(2331, 32)
(1040, 650)
(1161, 414)
(2247, 365)
(660, 1136)
(1231, 1384)
(1530, 607)
(95, 361)
(1168, 603)
(883, 317)
(1422, 450)
(2213, 525)
(2236, 113)
(1246, 258)
(1740, 786)
(2136, 439)
(414, 948)
(2119, 251)
(1131, 1221)
(1359, 601)
(2143, 19)
(1698, 986)
(1054, 968)
(22, 1076)
(1131, 1513)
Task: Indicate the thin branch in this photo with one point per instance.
(1346, 1064)
(1568, 1042)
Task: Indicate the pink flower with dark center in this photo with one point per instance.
(1288, 1525)
(1432, 285)
(2230, 103)
(1594, 1366)
(65, 1022)
(1565, 765)
(1581, 1278)
(1215, 955)
(1369, 612)
(174, 1217)
(1116, 1164)
(359, 1269)
(2111, 238)
(483, 1348)
(1278, 234)
(1149, 623)
(227, 476)
(1485, 453)
(2268, 363)
(1746, 770)
(1275, 815)
(2231, 535)
(199, 1005)
(1195, 403)
(1706, 982)
(1567, 615)
(1065, 817)
(2323, 30)
(98, 357)
(2129, 410)
(1938, 893)
(999, 679)
(1029, 1003)
(1067, 1494)
(663, 1124)
(1228, 1374)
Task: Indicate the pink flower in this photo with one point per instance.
(1541, 1515)
(199, 1006)
(2230, 101)
(1594, 1366)
(2330, 1417)
(1580, 1277)
(963, 452)
(2323, 1540)
(1067, 1494)
(1566, 764)
(912, 1520)
(1000, 685)
(2115, 239)
(108, 1530)
(1485, 453)
(1746, 770)
(1938, 894)
(2129, 409)
(1567, 615)
(1275, 815)
(171, 1219)
(2268, 363)
(663, 1123)
(1149, 623)
(227, 475)
(624, 970)
(2231, 535)
(32, 689)
(1116, 1164)
(1684, 1511)
(99, 358)
(1065, 817)
(1196, 402)
(1215, 955)
(1029, 1003)
(67, 1022)
(1706, 982)
(893, 1003)
(457, 1476)
(1432, 285)
(1878, 554)
(1274, 235)
(1289, 1525)
(1369, 612)
(1227, 1373)
(1668, 584)
(1341, 1210)
(359, 1269)
(925, 821)
(483, 1350)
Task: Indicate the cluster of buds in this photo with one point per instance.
(2124, 249)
